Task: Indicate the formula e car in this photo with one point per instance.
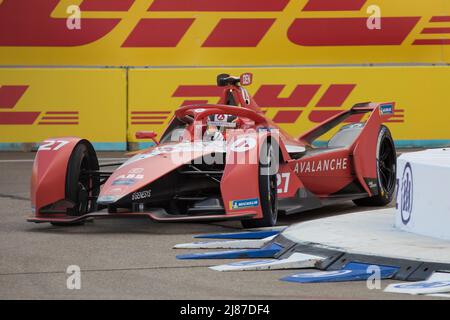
(248, 169)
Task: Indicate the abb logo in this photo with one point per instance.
(267, 96)
(29, 23)
(10, 95)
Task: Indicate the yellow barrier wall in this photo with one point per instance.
(300, 98)
(36, 104)
(217, 32)
(268, 34)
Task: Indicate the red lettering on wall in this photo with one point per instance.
(10, 95)
(267, 95)
(218, 5)
(158, 33)
(28, 23)
(238, 32)
(350, 31)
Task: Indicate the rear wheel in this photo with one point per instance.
(82, 187)
(386, 171)
(267, 189)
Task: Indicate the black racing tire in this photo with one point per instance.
(267, 188)
(386, 171)
(82, 189)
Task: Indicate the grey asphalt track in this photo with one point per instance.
(133, 258)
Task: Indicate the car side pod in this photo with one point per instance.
(268, 251)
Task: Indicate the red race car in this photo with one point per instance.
(221, 162)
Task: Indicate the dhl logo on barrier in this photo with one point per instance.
(300, 98)
(10, 95)
(37, 103)
(149, 117)
(267, 96)
(284, 111)
(198, 25)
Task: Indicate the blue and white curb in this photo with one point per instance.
(268, 251)
(295, 261)
(435, 285)
(256, 234)
(350, 272)
(420, 287)
(231, 244)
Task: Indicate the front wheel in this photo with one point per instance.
(386, 171)
(82, 186)
(267, 189)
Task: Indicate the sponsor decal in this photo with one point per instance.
(127, 179)
(246, 79)
(321, 165)
(123, 182)
(222, 124)
(107, 199)
(243, 144)
(136, 171)
(141, 195)
(245, 203)
(406, 194)
(131, 176)
(386, 109)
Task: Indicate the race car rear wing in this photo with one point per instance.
(385, 111)
(365, 145)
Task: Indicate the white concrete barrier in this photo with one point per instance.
(423, 193)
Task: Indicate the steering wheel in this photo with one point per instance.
(195, 113)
